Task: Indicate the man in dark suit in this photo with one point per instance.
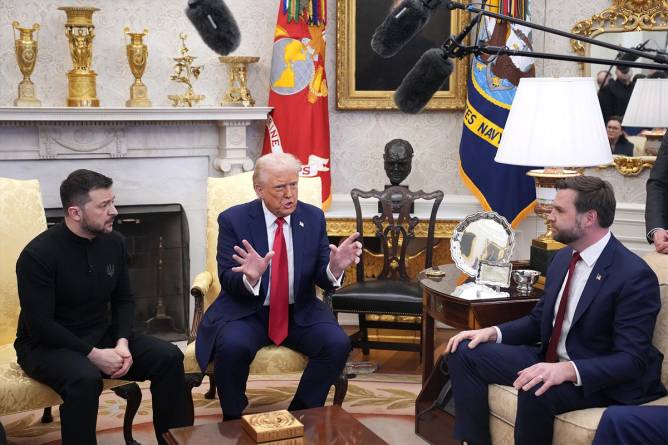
(656, 206)
(272, 252)
(633, 425)
(594, 323)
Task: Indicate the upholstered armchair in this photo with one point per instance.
(579, 427)
(223, 193)
(21, 219)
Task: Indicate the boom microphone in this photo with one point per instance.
(215, 24)
(403, 23)
(423, 81)
(430, 72)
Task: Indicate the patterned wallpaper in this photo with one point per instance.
(357, 137)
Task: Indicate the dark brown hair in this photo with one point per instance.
(74, 189)
(593, 193)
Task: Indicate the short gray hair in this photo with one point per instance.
(276, 161)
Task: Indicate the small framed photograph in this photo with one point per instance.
(493, 273)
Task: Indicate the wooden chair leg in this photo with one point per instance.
(192, 381)
(340, 389)
(46, 415)
(211, 393)
(132, 394)
(364, 334)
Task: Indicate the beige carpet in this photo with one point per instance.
(383, 402)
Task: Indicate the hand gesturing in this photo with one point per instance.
(345, 254)
(250, 262)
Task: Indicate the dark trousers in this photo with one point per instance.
(79, 384)
(471, 370)
(633, 425)
(325, 344)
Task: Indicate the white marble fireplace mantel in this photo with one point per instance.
(85, 133)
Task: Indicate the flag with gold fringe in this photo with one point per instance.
(299, 122)
(505, 189)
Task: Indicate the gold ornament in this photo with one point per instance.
(183, 71)
(137, 53)
(81, 79)
(238, 92)
(26, 56)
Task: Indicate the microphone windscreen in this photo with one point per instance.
(399, 27)
(423, 81)
(215, 24)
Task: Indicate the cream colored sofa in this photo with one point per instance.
(579, 427)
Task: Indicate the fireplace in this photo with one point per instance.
(157, 240)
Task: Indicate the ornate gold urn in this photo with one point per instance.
(238, 92)
(137, 53)
(26, 56)
(81, 79)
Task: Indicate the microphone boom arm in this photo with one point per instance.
(502, 50)
(458, 50)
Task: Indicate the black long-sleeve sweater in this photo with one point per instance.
(67, 286)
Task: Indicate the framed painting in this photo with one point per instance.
(366, 81)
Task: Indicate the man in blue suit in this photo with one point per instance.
(272, 252)
(588, 341)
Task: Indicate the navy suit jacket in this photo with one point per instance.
(311, 257)
(610, 339)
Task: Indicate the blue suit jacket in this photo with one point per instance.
(311, 257)
(610, 339)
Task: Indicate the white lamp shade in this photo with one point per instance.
(648, 106)
(555, 122)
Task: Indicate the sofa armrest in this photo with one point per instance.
(198, 290)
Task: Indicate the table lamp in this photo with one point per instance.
(555, 123)
(648, 108)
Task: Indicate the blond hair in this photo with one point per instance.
(278, 161)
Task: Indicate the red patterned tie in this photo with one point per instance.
(278, 293)
(551, 355)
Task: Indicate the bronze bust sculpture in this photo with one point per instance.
(397, 156)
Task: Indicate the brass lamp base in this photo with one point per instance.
(653, 140)
(544, 246)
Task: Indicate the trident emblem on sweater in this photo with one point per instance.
(110, 270)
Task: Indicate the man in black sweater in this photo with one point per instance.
(75, 326)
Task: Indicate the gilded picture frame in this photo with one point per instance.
(376, 94)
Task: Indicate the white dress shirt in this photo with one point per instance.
(581, 274)
(270, 222)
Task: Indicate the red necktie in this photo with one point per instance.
(551, 355)
(278, 291)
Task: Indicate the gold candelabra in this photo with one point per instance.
(137, 53)
(26, 56)
(238, 92)
(184, 70)
(79, 30)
